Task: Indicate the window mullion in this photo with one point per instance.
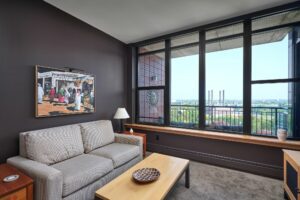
(137, 110)
(167, 91)
(202, 79)
(247, 78)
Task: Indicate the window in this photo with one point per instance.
(185, 39)
(273, 73)
(241, 77)
(151, 70)
(271, 109)
(152, 47)
(151, 106)
(224, 31)
(276, 20)
(151, 84)
(184, 111)
(224, 84)
(271, 54)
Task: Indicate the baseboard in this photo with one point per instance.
(263, 169)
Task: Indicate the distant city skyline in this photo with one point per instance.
(224, 71)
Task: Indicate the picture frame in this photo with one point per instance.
(61, 91)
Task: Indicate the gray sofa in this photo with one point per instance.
(73, 161)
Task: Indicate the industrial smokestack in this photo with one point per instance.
(223, 97)
(208, 100)
(212, 97)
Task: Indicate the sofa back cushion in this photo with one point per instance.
(96, 134)
(53, 145)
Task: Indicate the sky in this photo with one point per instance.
(224, 71)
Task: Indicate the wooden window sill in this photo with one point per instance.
(271, 142)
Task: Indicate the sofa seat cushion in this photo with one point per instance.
(54, 145)
(82, 170)
(96, 134)
(119, 153)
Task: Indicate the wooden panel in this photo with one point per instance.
(30, 192)
(272, 142)
(292, 158)
(170, 168)
(18, 195)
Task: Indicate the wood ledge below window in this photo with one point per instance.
(271, 142)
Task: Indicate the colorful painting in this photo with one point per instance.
(61, 92)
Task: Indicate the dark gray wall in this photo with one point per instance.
(34, 32)
(257, 159)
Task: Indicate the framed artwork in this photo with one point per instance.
(60, 92)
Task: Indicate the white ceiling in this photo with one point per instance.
(136, 20)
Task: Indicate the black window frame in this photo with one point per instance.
(295, 79)
(247, 65)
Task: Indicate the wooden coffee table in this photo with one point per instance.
(124, 188)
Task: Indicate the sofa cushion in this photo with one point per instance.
(53, 145)
(96, 134)
(119, 153)
(82, 170)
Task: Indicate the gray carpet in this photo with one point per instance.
(216, 183)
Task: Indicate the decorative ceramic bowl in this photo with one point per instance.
(146, 175)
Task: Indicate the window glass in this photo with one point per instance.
(272, 55)
(152, 47)
(185, 87)
(222, 45)
(151, 70)
(224, 85)
(151, 106)
(275, 20)
(185, 39)
(271, 108)
(224, 31)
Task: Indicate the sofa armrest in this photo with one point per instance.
(48, 181)
(130, 139)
